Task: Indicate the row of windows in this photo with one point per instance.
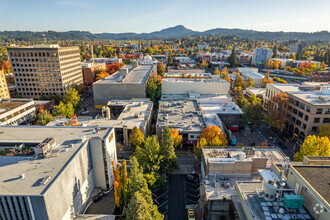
(26, 88)
(35, 65)
(16, 113)
(301, 105)
(69, 52)
(35, 75)
(33, 60)
(37, 70)
(316, 120)
(33, 54)
(39, 94)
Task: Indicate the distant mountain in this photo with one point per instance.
(168, 33)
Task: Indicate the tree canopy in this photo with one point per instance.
(313, 146)
(136, 138)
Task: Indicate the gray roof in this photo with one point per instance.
(11, 167)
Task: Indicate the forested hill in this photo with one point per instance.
(168, 33)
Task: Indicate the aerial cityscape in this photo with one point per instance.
(164, 110)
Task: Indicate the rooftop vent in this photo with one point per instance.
(45, 180)
(45, 146)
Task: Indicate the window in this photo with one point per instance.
(327, 111)
(319, 111)
(314, 129)
(326, 120)
(294, 111)
(296, 103)
(298, 122)
(316, 120)
(308, 108)
(304, 126)
(300, 114)
(192, 136)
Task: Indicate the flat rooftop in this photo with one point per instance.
(223, 109)
(225, 188)
(133, 115)
(8, 105)
(256, 91)
(182, 115)
(11, 167)
(260, 209)
(218, 155)
(192, 80)
(318, 177)
(139, 75)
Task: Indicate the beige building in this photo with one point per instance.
(4, 92)
(308, 106)
(45, 70)
(16, 111)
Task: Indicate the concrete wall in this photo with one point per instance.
(106, 92)
(182, 87)
(72, 187)
(238, 168)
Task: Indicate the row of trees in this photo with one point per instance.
(110, 69)
(157, 159)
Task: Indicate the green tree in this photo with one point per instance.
(149, 156)
(136, 138)
(154, 88)
(170, 161)
(241, 101)
(62, 109)
(325, 130)
(141, 208)
(266, 80)
(124, 181)
(72, 96)
(233, 58)
(250, 83)
(44, 117)
(160, 69)
(252, 114)
(313, 146)
(224, 72)
(141, 205)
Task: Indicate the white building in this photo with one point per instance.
(57, 177)
(252, 73)
(214, 86)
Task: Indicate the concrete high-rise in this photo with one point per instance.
(4, 92)
(261, 56)
(45, 70)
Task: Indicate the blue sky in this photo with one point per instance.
(139, 16)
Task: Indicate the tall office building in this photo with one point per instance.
(261, 56)
(45, 70)
(4, 92)
(296, 48)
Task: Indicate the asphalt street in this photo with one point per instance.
(176, 199)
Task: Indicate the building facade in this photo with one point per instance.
(59, 183)
(4, 92)
(261, 56)
(46, 70)
(308, 106)
(89, 71)
(16, 111)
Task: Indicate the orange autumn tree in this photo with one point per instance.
(101, 75)
(267, 80)
(112, 68)
(116, 183)
(176, 137)
(211, 136)
(214, 136)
